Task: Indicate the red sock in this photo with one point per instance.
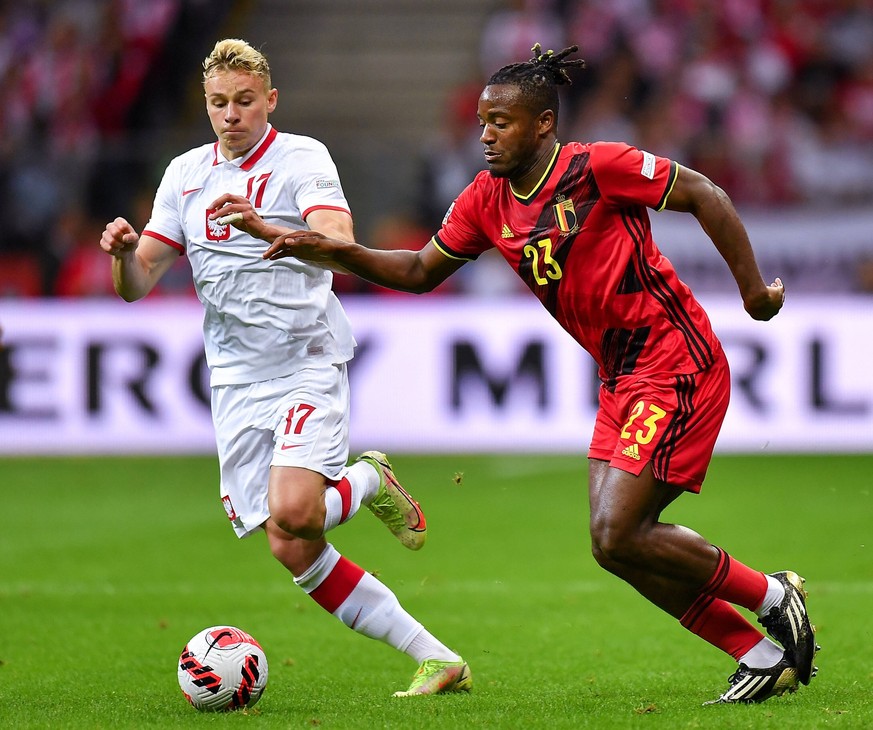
(720, 624)
(736, 583)
(344, 487)
(338, 585)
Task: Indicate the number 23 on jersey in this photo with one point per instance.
(642, 432)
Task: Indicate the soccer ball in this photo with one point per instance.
(222, 668)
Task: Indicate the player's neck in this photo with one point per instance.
(530, 177)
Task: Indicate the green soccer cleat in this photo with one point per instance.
(748, 685)
(436, 677)
(394, 506)
(789, 624)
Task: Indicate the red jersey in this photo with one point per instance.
(582, 241)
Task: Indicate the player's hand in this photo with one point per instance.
(310, 246)
(767, 305)
(305, 245)
(238, 211)
(119, 238)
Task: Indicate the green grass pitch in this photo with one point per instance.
(108, 566)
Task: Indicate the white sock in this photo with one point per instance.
(762, 655)
(315, 574)
(773, 597)
(373, 610)
(369, 478)
(425, 646)
(357, 485)
(366, 605)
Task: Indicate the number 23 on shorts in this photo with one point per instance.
(642, 432)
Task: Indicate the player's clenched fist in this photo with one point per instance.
(118, 237)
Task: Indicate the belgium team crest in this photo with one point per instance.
(565, 215)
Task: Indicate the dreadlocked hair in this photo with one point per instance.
(538, 79)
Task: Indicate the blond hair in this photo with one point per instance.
(233, 54)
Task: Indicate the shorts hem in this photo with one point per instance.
(333, 473)
(632, 466)
(243, 532)
(625, 463)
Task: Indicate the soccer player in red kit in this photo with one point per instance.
(571, 220)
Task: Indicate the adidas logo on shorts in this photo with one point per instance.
(633, 451)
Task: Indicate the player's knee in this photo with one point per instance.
(299, 517)
(600, 556)
(612, 544)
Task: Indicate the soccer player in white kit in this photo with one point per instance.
(277, 344)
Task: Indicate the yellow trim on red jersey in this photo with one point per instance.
(674, 174)
(536, 188)
(439, 246)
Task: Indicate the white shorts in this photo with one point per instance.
(298, 420)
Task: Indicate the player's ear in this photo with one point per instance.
(272, 98)
(546, 122)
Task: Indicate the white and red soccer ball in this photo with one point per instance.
(222, 668)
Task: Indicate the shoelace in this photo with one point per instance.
(740, 670)
(385, 509)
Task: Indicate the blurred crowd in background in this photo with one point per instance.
(88, 85)
(773, 99)
(71, 73)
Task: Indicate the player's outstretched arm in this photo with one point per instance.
(138, 263)
(238, 211)
(696, 194)
(404, 270)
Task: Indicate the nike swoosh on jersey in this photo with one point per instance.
(192, 190)
(290, 446)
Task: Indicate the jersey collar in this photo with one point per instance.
(247, 161)
(542, 181)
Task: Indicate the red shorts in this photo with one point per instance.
(672, 423)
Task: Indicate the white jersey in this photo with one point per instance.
(263, 319)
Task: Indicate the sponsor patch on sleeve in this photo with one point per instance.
(648, 169)
(321, 184)
(448, 213)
